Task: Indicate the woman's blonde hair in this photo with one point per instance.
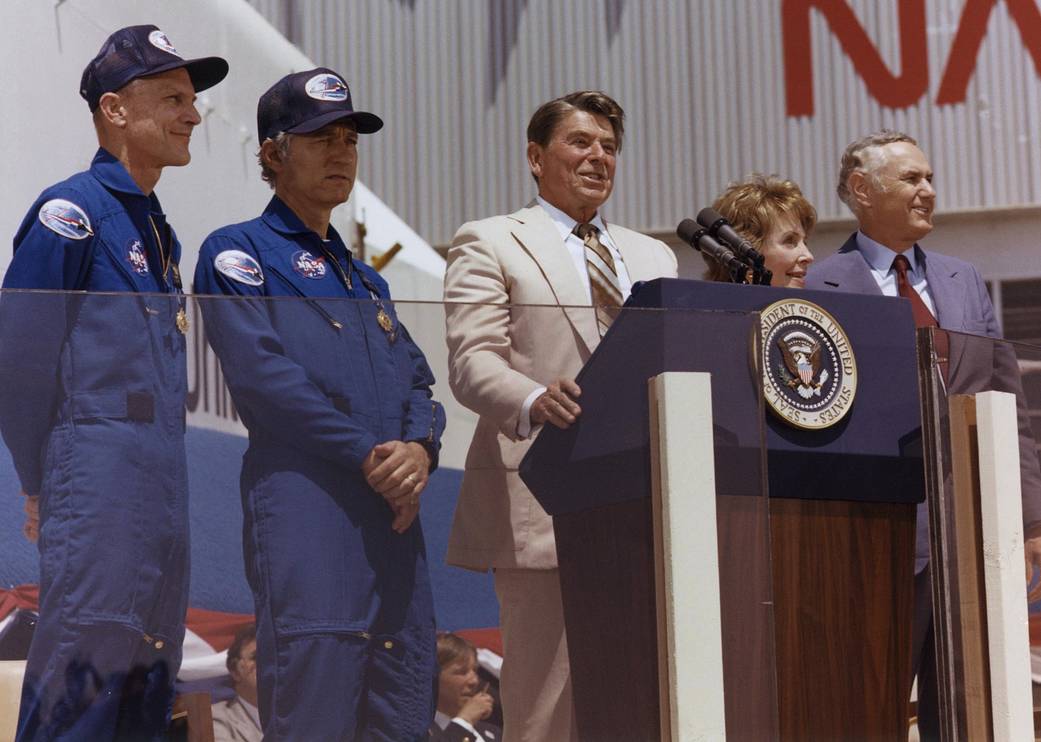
(754, 205)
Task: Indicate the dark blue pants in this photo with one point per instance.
(95, 683)
(923, 659)
(345, 622)
(113, 559)
(339, 686)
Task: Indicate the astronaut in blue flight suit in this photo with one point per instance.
(343, 433)
(92, 392)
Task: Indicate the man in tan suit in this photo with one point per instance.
(514, 365)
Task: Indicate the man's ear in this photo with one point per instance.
(535, 159)
(861, 188)
(271, 155)
(112, 108)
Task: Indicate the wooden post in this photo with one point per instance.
(974, 678)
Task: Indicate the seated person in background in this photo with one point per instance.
(776, 218)
(238, 720)
(462, 704)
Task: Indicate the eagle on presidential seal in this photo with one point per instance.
(802, 370)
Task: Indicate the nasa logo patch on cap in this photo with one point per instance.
(305, 101)
(136, 257)
(238, 266)
(159, 40)
(66, 219)
(327, 87)
(143, 51)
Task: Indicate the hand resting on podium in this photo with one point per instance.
(557, 404)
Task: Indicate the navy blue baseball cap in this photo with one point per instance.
(306, 101)
(140, 51)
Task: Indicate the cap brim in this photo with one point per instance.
(204, 72)
(364, 122)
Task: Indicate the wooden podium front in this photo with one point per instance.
(815, 581)
(843, 588)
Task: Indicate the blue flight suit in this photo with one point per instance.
(92, 390)
(345, 623)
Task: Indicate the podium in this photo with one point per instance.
(815, 528)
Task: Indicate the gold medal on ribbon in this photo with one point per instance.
(384, 321)
(182, 321)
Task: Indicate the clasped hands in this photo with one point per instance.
(399, 472)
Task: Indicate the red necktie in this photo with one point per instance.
(922, 316)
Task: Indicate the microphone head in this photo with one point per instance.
(687, 230)
(708, 217)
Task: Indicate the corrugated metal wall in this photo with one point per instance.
(702, 82)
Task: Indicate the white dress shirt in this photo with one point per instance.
(443, 720)
(880, 260)
(236, 720)
(577, 250)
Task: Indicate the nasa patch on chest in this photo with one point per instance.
(238, 266)
(308, 265)
(809, 372)
(135, 255)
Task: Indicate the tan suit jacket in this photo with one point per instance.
(517, 318)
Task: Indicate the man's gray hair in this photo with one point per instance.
(865, 155)
(281, 141)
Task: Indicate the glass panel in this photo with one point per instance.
(117, 410)
(463, 599)
(1021, 310)
(959, 599)
(595, 479)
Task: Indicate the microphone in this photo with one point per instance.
(717, 226)
(694, 235)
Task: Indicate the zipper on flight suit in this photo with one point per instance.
(310, 301)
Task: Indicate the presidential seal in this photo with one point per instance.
(809, 372)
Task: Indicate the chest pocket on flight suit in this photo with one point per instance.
(312, 330)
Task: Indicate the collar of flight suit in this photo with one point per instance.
(110, 172)
(284, 220)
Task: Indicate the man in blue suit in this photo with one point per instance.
(886, 181)
(343, 434)
(92, 389)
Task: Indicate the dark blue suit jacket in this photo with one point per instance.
(962, 305)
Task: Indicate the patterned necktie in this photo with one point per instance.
(603, 277)
(920, 311)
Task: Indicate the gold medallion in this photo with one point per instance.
(182, 321)
(384, 321)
